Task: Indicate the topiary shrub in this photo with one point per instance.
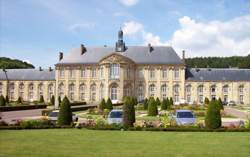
(213, 117)
(41, 100)
(52, 100)
(158, 102)
(168, 104)
(65, 114)
(2, 101)
(152, 107)
(220, 104)
(164, 104)
(134, 101)
(128, 113)
(206, 101)
(59, 101)
(109, 104)
(19, 100)
(102, 105)
(7, 100)
(145, 104)
(171, 102)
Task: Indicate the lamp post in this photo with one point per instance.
(7, 85)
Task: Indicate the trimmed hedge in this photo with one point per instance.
(82, 108)
(21, 107)
(65, 113)
(77, 103)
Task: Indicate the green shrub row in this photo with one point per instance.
(21, 107)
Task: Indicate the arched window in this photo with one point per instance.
(200, 93)
(113, 92)
(71, 91)
(50, 90)
(114, 71)
(61, 90)
(21, 90)
(163, 91)
(140, 92)
(176, 90)
(101, 91)
(82, 92)
(31, 92)
(152, 90)
(93, 92)
(12, 91)
(40, 89)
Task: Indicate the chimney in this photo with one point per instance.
(60, 56)
(150, 48)
(40, 69)
(50, 69)
(83, 49)
(183, 56)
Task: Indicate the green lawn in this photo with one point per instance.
(87, 143)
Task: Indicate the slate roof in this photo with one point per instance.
(213, 74)
(139, 54)
(28, 74)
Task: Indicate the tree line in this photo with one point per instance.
(242, 62)
(8, 63)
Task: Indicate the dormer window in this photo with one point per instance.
(114, 71)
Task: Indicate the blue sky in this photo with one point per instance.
(36, 30)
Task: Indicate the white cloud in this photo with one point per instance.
(80, 26)
(213, 38)
(128, 2)
(132, 28)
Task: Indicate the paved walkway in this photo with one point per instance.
(24, 114)
(236, 113)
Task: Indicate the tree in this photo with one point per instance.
(158, 102)
(7, 63)
(52, 100)
(168, 104)
(220, 104)
(59, 101)
(109, 104)
(2, 101)
(65, 114)
(102, 105)
(171, 102)
(213, 117)
(7, 99)
(19, 100)
(206, 101)
(41, 100)
(164, 104)
(145, 104)
(134, 101)
(128, 112)
(152, 107)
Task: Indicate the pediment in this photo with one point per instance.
(116, 58)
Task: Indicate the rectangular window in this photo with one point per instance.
(201, 98)
(128, 73)
(93, 72)
(71, 73)
(176, 73)
(83, 73)
(188, 98)
(114, 71)
(152, 73)
(61, 73)
(164, 73)
(140, 73)
(241, 98)
(101, 72)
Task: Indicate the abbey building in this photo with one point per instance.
(92, 73)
